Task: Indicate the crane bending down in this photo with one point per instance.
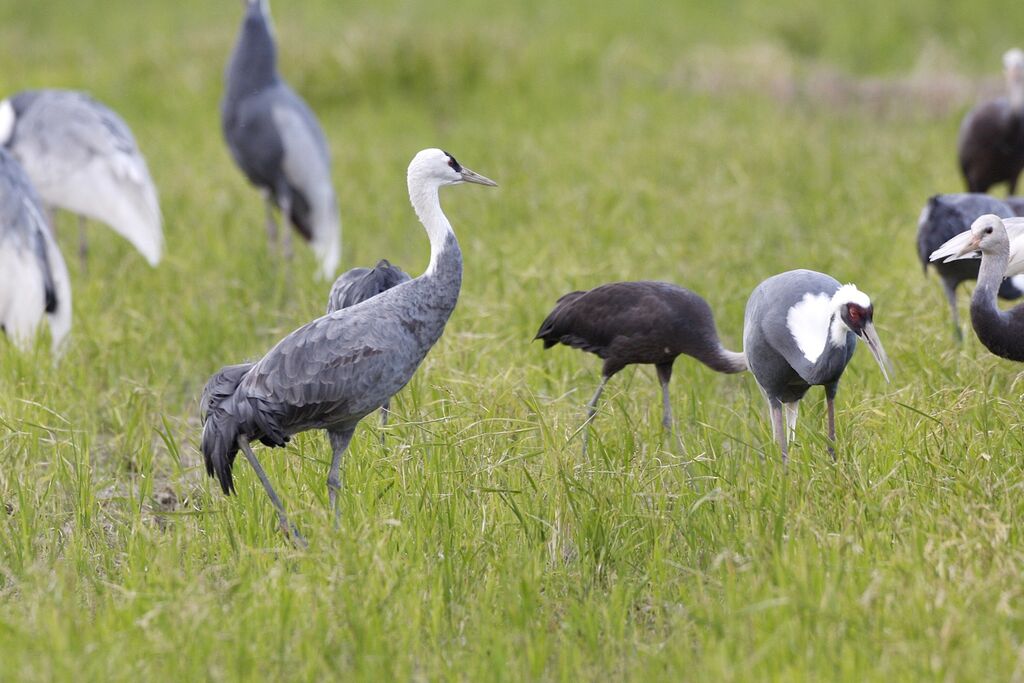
(646, 322)
(800, 330)
(82, 157)
(1000, 244)
(277, 142)
(35, 280)
(331, 373)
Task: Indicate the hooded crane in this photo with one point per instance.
(943, 217)
(34, 282)
(800, 330)
(82, 157)
(991, 141)
(649, 323)
(331, 373)
(276, 141)
(1001, 245)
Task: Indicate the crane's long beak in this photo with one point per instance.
(955, 248)
(474, 177)
(972, 246)
(870, 337)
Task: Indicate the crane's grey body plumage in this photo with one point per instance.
(82, 157)
(948, 215)
(277, 142)
(990, 145)
(794, 337)
(646, 322)
(36, 282)
(334, 371)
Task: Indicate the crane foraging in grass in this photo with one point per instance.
(82, 157)
(627, 323)
(332, 372)
(1000, 244)
(277, 142)
(800, 329)
(947, 215)
(34, 282)
(991, 141)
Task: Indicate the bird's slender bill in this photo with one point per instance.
(870, 337)
(474, 177)
(971, 247)
(954, 248)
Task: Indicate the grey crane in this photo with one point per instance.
(1001, 247)
(646, 322)
(82, 157)
(800, 330)
(947, 215)
(34, 282)
(277, 142)
(991, 141)
(332, 372)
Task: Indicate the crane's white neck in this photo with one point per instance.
(427, 204)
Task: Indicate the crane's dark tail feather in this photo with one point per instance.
(221, 426)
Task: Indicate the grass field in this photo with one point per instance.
(711, 146)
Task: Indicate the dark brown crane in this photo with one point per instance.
(647, 323)
(991, 142)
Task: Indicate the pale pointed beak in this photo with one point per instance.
(474, 177)
(970, 247)
(870, 337)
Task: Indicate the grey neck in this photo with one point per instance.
(254, 62)
(990, 277)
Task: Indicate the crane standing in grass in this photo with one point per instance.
(800, 330)
(991, 142)
(276, 141)
(35, 281)
(82, 157)
(331, 373)
(1001, 247)
(627, 323)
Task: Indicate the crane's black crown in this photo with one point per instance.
(456, 166)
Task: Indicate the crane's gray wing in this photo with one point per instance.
(346, 362)
(359, 284)
(82, 157)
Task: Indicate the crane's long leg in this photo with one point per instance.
(385, 410)
(339, 444)
(83, 244)
(779, 428)
(792, 411)
(286, 217)
(667, 421)
(830, 409)
(286, 526)
(950, 289)
(268, 199)
(591, 411)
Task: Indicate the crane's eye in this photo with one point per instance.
(988, 230)
(855, 313)
(455, 166)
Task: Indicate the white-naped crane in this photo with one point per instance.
(647, 323)
(991, 141)
(277, 142)
(34, 281)
(800, 330)
(82, 157)
(1000, 245)
(945, 216)
(332, 372)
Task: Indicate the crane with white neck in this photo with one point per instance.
(332, 372)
